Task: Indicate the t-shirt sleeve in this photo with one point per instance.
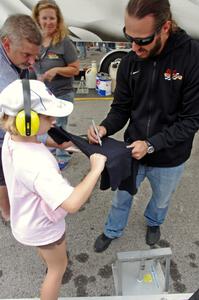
(70, 52)
(52, 187)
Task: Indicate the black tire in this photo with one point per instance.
(109, 59)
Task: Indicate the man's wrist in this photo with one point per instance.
(105, 130)
(150, 147)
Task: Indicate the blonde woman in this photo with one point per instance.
(57, 63)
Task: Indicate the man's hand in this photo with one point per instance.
(139, 149)
(92, 137)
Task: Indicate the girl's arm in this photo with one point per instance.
(83, 190)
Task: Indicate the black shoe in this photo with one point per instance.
(152, 235)
(102, 242)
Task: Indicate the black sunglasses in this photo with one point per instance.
(139, 41)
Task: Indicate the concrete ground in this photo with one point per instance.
(89, 273)
(151, 297)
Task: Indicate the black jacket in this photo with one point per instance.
(159, 98)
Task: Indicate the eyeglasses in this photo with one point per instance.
(139, 41)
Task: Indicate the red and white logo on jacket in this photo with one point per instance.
(172, 74)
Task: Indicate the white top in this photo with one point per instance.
(36, 190)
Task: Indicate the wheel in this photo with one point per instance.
(104, 67)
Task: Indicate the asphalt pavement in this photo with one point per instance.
(89, 273)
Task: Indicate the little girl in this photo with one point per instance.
(39, 196)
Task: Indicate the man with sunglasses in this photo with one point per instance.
(157, 93)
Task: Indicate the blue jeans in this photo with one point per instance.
(63, 155)
(163, 183)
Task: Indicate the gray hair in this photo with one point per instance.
(19, 27)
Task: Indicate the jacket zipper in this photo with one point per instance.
(150, 102)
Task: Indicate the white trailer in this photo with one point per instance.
(103, 20)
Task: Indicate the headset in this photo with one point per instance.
(27, 120)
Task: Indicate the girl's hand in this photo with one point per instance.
(97, 162)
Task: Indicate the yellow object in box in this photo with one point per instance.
(148, 278)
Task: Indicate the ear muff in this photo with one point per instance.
(27, 120)
(27, 128)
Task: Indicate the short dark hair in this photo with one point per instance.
(20, 26)
(160, 9)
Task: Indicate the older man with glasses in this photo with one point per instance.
(157, 93)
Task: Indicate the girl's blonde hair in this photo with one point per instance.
(8, 123)
(62, 30)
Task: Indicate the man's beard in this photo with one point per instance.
(24, 66)
(156, 49)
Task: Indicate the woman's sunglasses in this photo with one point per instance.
(139, 41)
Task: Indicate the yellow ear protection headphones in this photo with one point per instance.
(27, 120)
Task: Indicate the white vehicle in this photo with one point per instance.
(103, 20)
